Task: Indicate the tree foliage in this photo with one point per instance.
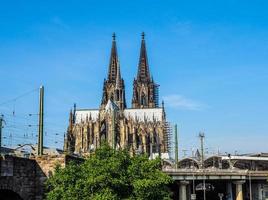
(110, 174)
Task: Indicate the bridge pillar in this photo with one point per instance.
(239, 189)
(259, 187)
(182, 191)
(229, 191)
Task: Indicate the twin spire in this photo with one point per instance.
(143, 74)
(144, 92)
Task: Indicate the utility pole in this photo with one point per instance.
(1, 126)
(176, 147)
(41, 122)
(202, 136)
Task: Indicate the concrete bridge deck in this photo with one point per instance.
(232, 184)
(216, 174)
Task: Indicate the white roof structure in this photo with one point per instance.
(251, 158)
(163, 156)
(149, 114)
(81, 115)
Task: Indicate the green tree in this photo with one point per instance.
(110, 174)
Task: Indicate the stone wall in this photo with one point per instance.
(45, 166)
(26, 176)
(18, 175)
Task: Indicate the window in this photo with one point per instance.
(143, 100)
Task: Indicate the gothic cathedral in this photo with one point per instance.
(140, 129)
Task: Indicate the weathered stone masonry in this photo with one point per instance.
(26, 176)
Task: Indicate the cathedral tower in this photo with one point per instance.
(114, 87)
(145, 91)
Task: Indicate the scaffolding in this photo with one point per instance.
(156, 95)
(168, 137)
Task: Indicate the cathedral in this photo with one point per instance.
(142, 128)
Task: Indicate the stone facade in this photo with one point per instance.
(26, 176)
(140, 129)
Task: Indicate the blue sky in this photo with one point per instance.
(210, 58)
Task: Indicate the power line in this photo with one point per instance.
(18, 97)
(22, 127)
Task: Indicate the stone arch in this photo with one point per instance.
(10, 192)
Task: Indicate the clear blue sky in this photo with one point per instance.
(210, 58)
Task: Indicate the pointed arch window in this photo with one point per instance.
(103, 135)
(143, 99)
(112, 96)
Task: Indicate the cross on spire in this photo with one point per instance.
(142, 35)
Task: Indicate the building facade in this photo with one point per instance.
(140, 129)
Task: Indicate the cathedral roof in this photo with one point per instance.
(149, 114)
(141, 115)
(83, 114)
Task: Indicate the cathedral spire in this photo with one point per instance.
(113, 61)
(120, 89)
(71, 121)
(143, 71)
(118, 77)
(113, 87)
(145, 91)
